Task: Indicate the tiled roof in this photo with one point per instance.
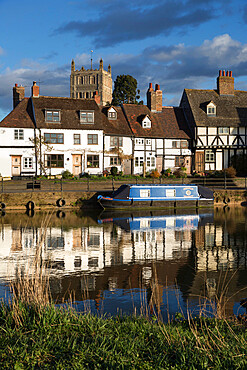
(170, 123)
(117, 126)
(173, 123)
(21, 116)
(134, 114)
(70, 113)
(231, 110)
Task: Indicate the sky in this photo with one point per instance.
(174, 43)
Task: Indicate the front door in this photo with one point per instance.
(76, 160)
(199, 162)
(127, 166)
(159, 161)
(16, 165)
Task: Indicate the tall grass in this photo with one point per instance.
(37, 334)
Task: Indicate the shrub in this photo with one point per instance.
(155, 174)
(114, 171)
(230, 172)
(180, 172)
(67, 175)
(240, 163)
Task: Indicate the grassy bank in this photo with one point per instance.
(55, 338)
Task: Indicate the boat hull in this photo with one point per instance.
(138, 204)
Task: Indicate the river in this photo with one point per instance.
(123, 263)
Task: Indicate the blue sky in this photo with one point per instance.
(175, 43)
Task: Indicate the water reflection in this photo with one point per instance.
(108, 260)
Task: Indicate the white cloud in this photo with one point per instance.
(1, 50)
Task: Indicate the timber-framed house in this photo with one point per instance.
(218, 122)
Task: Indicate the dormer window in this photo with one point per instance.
(146, 122)
(112, 114)
(87, 117)
(52, 116)
(211, 109)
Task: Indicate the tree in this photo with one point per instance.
(125, 90)
(40, 146)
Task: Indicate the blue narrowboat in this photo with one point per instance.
(158, 196)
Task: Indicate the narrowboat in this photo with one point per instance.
(157, 196)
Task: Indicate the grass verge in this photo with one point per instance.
(58, 338)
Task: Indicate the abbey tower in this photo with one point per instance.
(86, 83)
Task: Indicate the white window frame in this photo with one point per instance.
(139, 141)
(148, 141)
(18, 134)
(209, 156)
(28, 163)
(139, 161)
(144, 193)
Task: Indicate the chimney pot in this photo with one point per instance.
(157, 87)
(223, 73)
(150, 85)
(227, 73)
(230, 73)
(220, 72)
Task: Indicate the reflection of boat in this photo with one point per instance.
(158, 196)
(172, 222)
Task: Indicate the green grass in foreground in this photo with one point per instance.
(55, 338)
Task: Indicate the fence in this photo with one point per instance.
(88, 185)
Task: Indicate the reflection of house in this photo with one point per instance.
(217, 119)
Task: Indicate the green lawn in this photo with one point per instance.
(54, 338)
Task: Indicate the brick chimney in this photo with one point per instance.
(18, 94)
(96, 97)
(225, 83)
(154, 98)
(35, 90)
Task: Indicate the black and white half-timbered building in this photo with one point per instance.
(218, 122)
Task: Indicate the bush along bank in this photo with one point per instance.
(57, 338)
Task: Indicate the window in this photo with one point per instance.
(146, 122)
(150, 161)
(139, 141)
(93, 161)
(87, 117)
(211, 110)
(19, 134)
(77, 139)
(138, 161)
(115, 161)
(52, 116)
(28, 162)
(144, 193)
(179, 161)
(112, 115)
(54, 160)
(224, 130)
(116, 141)
(53, 138)
(148, 141)
(180, 144)
(184, 144)
(209, 155)
(92, 139)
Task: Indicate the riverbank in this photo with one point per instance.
(88, 199)
(56, 338)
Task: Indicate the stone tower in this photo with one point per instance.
(85, 82)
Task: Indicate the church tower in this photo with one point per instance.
(84, 83)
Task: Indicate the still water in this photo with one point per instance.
(121, 263)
